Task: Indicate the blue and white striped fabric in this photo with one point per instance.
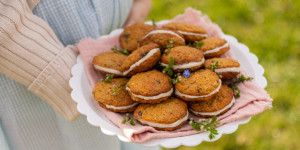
(26, 121)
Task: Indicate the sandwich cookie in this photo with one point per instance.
(217, 105)
(201, 85)
(184, 58)
(142, 59)
(163, 37)
(113, 96)
(109, 63)
(228, 68)
(191, 33)
(132, 34)
(149, 87)
(167, 115)
(214, 47)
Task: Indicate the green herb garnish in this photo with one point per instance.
(168, 69)
(199, 44)
(235, 90)
(213, 67)
(115, 92)
(189, 45)
(153, 22)
(123, 51)
(169, 46)
(131, 120)
(206, 124)
(175, 79)
(108, 78)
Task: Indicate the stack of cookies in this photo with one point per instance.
(167, 73)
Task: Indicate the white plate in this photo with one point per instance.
(87, 106)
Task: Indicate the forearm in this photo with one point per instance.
(31, 54)
(139, 11)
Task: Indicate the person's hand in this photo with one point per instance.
(139, 12)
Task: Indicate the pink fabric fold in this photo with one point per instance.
(253, 100)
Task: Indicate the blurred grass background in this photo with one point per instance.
(271, 30)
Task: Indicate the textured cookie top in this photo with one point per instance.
(132, 34)
(166, 112)
(109, 60)
(149, 83)
(104, 92)
(223, 63)
(218, 102)
(183, 55)
(201, 82)
(138, 54)
(211, 43)
(162, 37)
(184, 27)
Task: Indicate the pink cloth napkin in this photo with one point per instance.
(253, 100)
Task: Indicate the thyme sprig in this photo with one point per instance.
(198, 44)
(235, 90)
(206, 124)
(153, 22)
(116, 50)
(176, 79)
(214, 66)
(168, 69)
(115, 92)
(169, 46)
(128, 119)
(108, 78)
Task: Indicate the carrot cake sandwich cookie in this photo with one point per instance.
(142, 59)
(226, 67)
(214, 47)
(167, 115)
(191, 33)
(149, 87)
(217, 105)
(132, 34)
(184, 58)
(109, 63)
(113, 96)
(200, 85)
(163, 37)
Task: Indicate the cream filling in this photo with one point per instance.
(232, 69)
(152, 97)
(186, 66)
(191, 33)
(163, 31)
(216, 49)
(216, 112)
(149, 54)
(112, 71)
(121, 107)
(161, 125)
(192, 96)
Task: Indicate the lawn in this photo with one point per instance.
(271, 29)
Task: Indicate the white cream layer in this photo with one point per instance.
(216, 49)
(121, 107)
(149, 54)
(112, 71)
(215, 113)
(187, 65)
(163, 31)
(151, 97)
(192, 33)
(161, 125)
(192, 96)
(231, 69)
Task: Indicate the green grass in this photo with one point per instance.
(271, 29)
